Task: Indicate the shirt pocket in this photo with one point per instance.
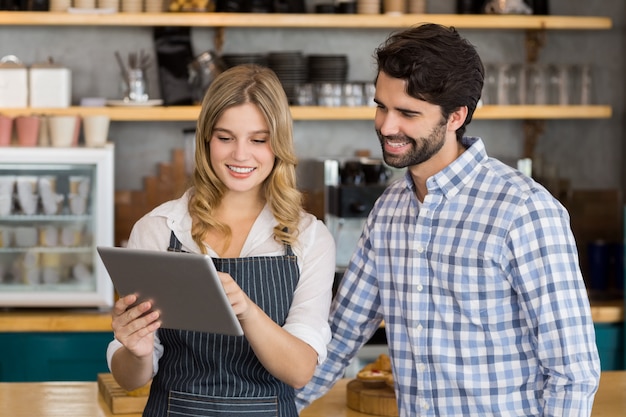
(471, 284)
(194, 405)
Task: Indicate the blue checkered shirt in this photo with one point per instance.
(484, 305)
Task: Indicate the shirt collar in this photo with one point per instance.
(453, 178)
(450, 180)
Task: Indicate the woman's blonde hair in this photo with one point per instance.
(260, 86)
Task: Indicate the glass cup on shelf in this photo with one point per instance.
(558, 79)
(353, 95)
(329, 94)
(490, 86)
(305, 94)
(508, 83)
(580, 84)
(135, 86)
(535, 85)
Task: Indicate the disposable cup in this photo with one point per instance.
(96, 130)
(27, 196)
(27, 128)
(62, 130)
(7, 185)
(6, 130)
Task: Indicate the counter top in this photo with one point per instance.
(68, 320)
(81, 399)
(57, 320)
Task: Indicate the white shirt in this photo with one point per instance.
(314, 249)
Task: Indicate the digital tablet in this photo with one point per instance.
(184, 287)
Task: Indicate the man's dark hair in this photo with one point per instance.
(440, 67)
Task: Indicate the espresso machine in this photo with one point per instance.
(341, 192)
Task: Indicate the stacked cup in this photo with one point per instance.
(154, 6)
(109, 4)
(368, 6)
(416, 6)
(7, 185)
(132, 6)
(60, 5)
(85, 4)
(394, 7)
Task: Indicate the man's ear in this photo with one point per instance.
(457, 118)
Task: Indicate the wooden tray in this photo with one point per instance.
(118, 399)
(377, 400)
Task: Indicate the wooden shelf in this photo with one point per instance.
(190, 113)
(311, 20)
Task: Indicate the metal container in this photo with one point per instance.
(202, 71)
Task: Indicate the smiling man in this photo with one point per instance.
(471, 264)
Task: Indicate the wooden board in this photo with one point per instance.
(377, 400)
(118, 399)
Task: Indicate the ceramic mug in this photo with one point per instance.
(6, 130)
(62, 131)
(27, 128)
(96, 130)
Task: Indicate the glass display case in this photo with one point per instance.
(56, 206)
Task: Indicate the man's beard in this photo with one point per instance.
(421, 150)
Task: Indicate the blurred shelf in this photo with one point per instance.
(310, 20)
(190, 113)
(544, 112)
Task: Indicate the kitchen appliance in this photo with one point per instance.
(60, 207)
(202, 71)
(341, 192)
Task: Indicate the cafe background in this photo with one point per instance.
(579, 159)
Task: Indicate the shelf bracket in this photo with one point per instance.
(218, 40)
(532, 130)
(535, 40)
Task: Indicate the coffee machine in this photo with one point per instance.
(341, 192)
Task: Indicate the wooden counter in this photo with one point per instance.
(57, 320)
(81, 399)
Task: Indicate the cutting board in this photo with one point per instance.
(118, 399)
(378, 400)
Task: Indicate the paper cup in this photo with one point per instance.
(6, 130)
(96, 130)
(27, 128)
(62, 130)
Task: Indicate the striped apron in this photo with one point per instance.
(206, 374)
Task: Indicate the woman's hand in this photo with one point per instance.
(242, 305)
(134, 327)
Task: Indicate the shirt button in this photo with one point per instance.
(421, 367)
(419, 327)
(419, 287)
(420, 249)
(425, 405)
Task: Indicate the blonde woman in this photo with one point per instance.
(276, 261)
